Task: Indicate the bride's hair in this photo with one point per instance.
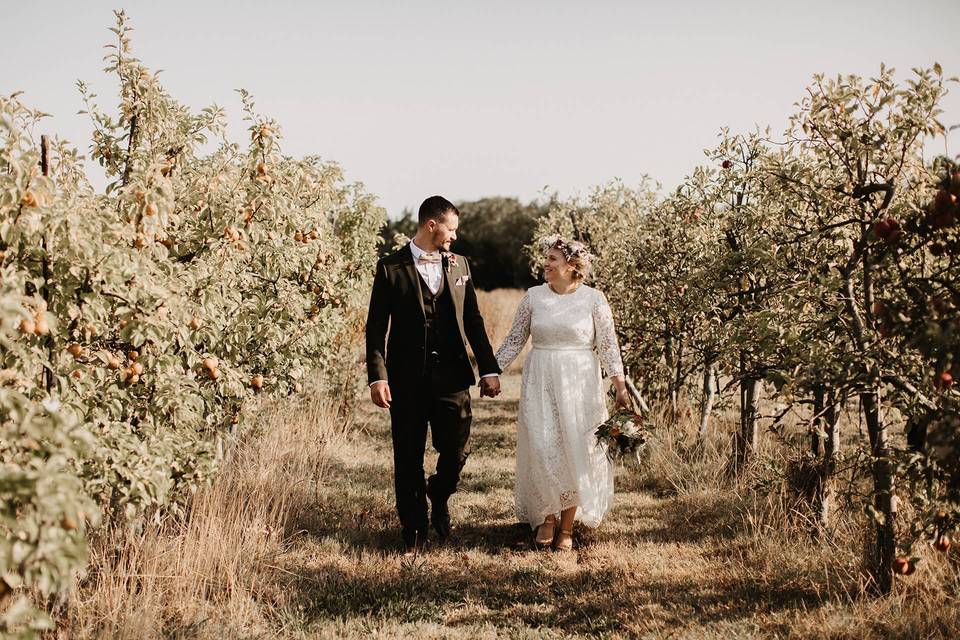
(575, 253)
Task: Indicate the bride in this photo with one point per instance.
(560, 467)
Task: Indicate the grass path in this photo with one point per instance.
(657, 567)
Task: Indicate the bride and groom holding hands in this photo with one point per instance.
(424, 298)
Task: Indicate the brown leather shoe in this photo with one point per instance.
(440, 517)
(414, 542)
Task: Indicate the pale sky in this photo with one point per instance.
(474, 99)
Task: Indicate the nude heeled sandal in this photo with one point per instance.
(542, 538)
(564, 543)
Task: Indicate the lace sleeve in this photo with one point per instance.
(605, 341)
(512, 345)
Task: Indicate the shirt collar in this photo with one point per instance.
(416, 251)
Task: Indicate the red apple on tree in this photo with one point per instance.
(942, 543)
(887, 229)
(902, 566)
(943, 381)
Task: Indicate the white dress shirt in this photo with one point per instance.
(432, 272)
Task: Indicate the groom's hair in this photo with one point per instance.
(434, 208)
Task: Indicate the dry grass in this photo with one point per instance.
(760, 527)
(215, 574)
(299, 540)
(685, 559)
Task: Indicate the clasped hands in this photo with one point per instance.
(490, 386)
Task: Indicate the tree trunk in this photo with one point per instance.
(746, 440)
(131, 147)
(668, 355)
(833, 426)
(677, 383)
(885, 501)
(748, 416)
(49, 380)
(817, 428)
(824, 490)
(709, 394)
(883, 471)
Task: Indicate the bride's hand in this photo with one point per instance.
(623, 400)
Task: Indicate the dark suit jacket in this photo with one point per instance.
(396, 302)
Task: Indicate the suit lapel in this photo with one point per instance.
(456, 292)
(406, 262)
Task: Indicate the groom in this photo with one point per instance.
(424, 294)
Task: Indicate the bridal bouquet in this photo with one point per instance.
(625, 434)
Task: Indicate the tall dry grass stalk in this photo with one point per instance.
(676, 463)
(211, 576)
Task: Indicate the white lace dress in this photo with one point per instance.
(559, 463)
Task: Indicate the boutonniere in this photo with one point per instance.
(450, 260)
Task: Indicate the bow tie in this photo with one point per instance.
(429, 258)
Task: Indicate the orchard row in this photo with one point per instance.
(822, 267)
(136, 325)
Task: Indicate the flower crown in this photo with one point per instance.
(570, 250)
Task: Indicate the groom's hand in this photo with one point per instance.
(380, 394)
(490, 386)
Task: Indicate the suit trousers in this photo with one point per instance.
(449, 416)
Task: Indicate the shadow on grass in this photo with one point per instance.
(681, 520)
(488, 573)
(359, 512)
(594, 601)
(372, 527)
(699, 518)
(492, 538)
